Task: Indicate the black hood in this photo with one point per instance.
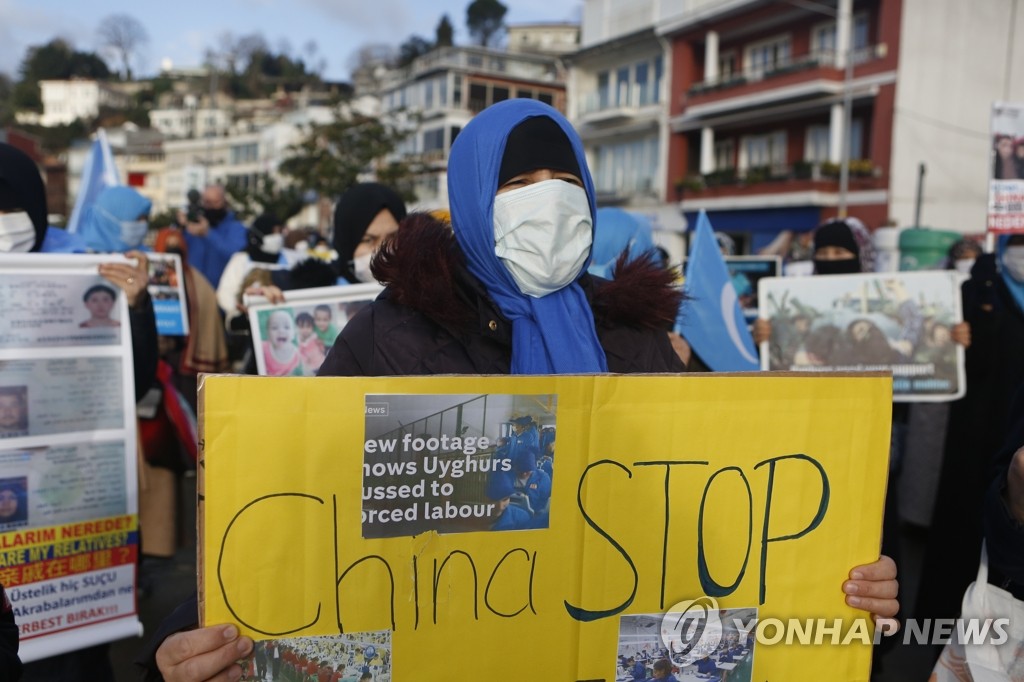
(22, 188)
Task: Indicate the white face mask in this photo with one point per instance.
(542, 234)
(272, 244)
(17, 233)
(361, 268)
(1013, 262)
(133, 232)
(964, 265)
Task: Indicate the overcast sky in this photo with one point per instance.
(182, 29)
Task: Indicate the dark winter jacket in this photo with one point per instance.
(436, 318)
(10, 664)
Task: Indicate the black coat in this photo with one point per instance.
(436, 318)
(389, 339)
(978, 425)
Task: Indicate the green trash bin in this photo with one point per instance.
(925, 249)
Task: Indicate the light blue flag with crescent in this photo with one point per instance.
(711, 319)
(98, 173)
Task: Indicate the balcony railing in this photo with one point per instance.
(639, 96)
(800, 170)
(813, 60)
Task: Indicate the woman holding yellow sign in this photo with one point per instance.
(505, 291)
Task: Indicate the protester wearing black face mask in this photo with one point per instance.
(215, 236)
(836, 251)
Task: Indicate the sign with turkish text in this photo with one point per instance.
(68, 478)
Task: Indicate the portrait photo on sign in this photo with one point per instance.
(13, 411)
(58, 310)
(293, 338)
(1006, 171)
(457, 463)
(899, 322)
(13, 502)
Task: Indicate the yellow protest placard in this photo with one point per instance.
(484, 524)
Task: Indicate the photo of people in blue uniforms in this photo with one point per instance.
(532, 485)
(524, 434)
(513, 517)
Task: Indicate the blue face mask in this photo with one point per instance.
(133, 232)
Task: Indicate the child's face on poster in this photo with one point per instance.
(280, 329)
(323, 320)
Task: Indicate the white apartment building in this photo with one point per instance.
(618, 93)
(65, 101)
(546, 38)
(191, 120)
(447, 87)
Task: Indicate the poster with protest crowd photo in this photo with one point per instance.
(898, 322)
(292, 338)
(1006, 172)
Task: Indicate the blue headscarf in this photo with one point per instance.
(553, 334)
(101, 223)
(616, 231)
(1016, 288)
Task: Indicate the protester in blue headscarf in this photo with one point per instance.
(617, 231)
(117, 222)
(505, 290)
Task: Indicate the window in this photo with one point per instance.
(457, 90)
(433, 140)
(727, 66)
(823, 38)
(442, 91)
(602, 90)
(725, 154)
(764, 150)
(453, 132)
(643, 92)
(857, 139)
(627, 167)
(428, 95)
(816, 146)
(244, 153)
(768, 56)
(477, 96)
(622, 87)
(547, 98)
(498, 94)
(659, 72)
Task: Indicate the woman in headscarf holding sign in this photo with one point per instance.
(505, 291)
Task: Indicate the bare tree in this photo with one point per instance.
(125, 36)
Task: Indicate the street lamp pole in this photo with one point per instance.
(847, 25)
(844, 159)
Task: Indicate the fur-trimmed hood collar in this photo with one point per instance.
(424, 269)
